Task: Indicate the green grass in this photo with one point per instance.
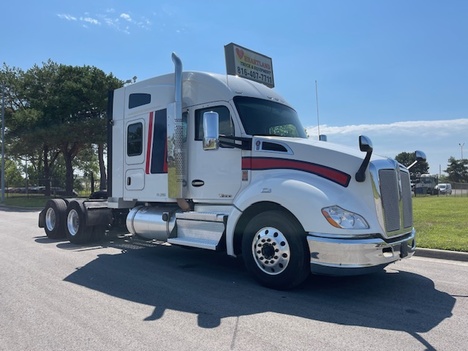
(441, 222)
(27, 201)
(32, 201)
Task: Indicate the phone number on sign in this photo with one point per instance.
(264, 78)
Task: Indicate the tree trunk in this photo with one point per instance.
(102, 168)
(48, 164)
(46, 170)
(69, 156)
(68, 174)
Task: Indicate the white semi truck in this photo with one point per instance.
(219, 162)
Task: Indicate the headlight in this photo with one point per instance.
(341, 218)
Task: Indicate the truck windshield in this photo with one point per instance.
(264, 117)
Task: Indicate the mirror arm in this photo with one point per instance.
(365, 145)
(361, 173)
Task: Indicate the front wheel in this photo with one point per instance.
(275, 250)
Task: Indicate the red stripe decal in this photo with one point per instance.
(150, 142)
(266, 163)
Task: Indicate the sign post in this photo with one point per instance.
(249, 64)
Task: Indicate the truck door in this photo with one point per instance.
(134, 158)
(213, 175)
(145, 168)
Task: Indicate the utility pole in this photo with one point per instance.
(461, 149)
(317, 102)
(3, 143)
(320, 136)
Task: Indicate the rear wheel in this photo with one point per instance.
(275, 250)
(54, 219)
(76, 229)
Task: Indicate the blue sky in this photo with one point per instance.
(394, 70)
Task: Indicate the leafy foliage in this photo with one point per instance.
(457, 170)
(54, 110)
(407, 158)
(13, 177)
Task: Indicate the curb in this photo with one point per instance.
(442, 254)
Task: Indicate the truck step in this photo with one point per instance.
(201, 216)
(199, 229)
(194, 242)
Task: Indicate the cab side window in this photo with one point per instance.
(226, 126)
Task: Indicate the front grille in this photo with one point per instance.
(395, 197)
(406, 200)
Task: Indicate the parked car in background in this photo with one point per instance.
(444, 188)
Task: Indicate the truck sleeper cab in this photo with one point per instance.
(222, 163)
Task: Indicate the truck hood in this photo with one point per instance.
(331, 161)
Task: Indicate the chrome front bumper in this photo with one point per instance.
(333, 256)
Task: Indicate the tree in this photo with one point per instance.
(13, 175)
(457, 170)
(62, 110)
(84, 101)
(407, 158)
(31, 115)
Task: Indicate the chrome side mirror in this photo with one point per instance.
(419, 156)
(365, 144)
(210, 131)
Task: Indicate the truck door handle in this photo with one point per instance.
(129, 181)
(197, 183)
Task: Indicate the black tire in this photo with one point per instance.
(275, 250)
(54, 218)
(75, 228)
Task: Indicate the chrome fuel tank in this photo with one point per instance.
(151, 222)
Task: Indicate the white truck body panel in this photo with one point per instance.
(299, 175)
(223, 163)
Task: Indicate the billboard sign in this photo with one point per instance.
(249, 64)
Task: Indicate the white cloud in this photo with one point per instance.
(123, 23)
(438, 139)
(444, 127)
(66, 17)
(90, 20)
(126, 17)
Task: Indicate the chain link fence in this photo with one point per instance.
(459, 189)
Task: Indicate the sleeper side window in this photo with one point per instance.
(135, 139)
(138, 99)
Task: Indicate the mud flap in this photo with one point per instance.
(41, 219)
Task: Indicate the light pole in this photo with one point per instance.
(461, 149)
(3, 143)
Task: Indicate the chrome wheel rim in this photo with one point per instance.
(73, 222)
(271, 251)
(50, 219)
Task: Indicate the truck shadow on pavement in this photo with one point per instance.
(214, 286)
